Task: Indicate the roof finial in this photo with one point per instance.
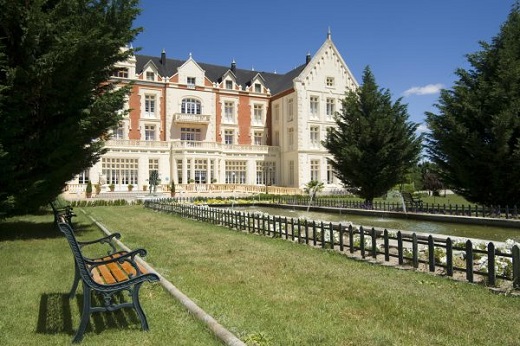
(329, 34)
(190, 55)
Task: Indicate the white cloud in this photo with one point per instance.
(422, 128)
(424, 90)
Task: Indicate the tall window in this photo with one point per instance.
(119, 132)
(201, 170)
(190, 134)
(229, 136)
(191, 82)
(149, 106)
(258, 136)
(179, 171)
(331, 108)
(315, 170)
(314, 106)
(229, 112)
(258, 111)
(120, 170)
(83, 177)
(290, 110)
(314, 136)
(153, 165)
(330, 174)
(235, 172)
(149, 132)
(191, 106)
(290, 138)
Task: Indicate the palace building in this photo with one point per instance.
(202, 124)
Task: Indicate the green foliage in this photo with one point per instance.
(313, 187)
(475, 137)
(55, 103)
(89, 187)
(374, 144)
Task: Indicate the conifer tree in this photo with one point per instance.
(56, 105)
(475, 137)
(373, 144)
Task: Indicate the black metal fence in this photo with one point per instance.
(449, 256)
(507, 212)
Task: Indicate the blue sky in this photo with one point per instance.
(412, 46)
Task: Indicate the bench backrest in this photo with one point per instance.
(67, 230)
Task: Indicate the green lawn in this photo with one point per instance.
(263, 289)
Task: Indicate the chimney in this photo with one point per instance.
(233, 66)
(163, 57)
(307, 58)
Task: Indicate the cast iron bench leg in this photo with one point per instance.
(137, 306)
(85, 315)
(76, 281)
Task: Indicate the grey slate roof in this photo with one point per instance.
(275, 82)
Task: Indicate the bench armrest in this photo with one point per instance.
(103, 240)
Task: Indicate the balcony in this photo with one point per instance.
(182, 118)
(199, 146)
(129, 143)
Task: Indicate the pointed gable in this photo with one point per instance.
(327, 67)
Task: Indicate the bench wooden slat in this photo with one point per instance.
(106, 274)
(117, 272)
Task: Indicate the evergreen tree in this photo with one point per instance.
(374, 144)
(475, 137)
(55, 102)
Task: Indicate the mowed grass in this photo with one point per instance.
(281, 293)
(266, 291)
(36, 272)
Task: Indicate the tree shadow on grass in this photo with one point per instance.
(15, 229)
(55, 315)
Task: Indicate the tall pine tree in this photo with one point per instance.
(55, 102)
(374, 144)
(475, 137)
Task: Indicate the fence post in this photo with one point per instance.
(362, 240)
(322, 235)
(415, 251)
(387, 245)
(469, 261)
(449, 257)
(314, 233)
(491, 264)
(431, 254)
(374, 243)
(340, 237)
(516, 266)
(299, 230)
(351, 238)
(306, 232)
(400, 247)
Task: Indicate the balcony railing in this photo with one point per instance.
(198, 145)
(136, 143)
(191, 118)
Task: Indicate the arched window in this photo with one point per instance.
(191, 106)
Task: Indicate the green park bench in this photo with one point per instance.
(107, 275)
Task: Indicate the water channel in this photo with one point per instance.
(492, 233)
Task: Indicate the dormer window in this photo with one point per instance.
(150, 76)
(258, 88)
(191, 82)
(120, 72)
(229, 84)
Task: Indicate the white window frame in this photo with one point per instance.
(314, 106)
(150, 132)
(190, 105)
(150, 105)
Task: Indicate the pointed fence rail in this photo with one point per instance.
(446, 255)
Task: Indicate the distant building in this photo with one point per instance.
(201, 123)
